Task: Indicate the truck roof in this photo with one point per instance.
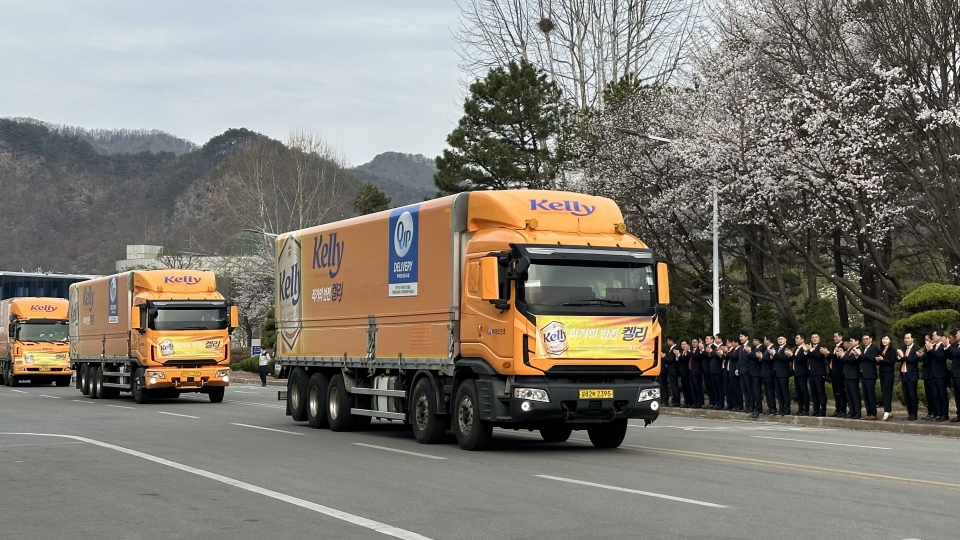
(38, 308)
(167, 281)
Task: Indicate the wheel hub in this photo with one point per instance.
(333, 402)
(422, 415)
(465, 418)
(314, 401)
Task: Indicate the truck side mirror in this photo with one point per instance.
(489, 279)
(234, 317)
(663, 284)
(136, 319)
(12, 330)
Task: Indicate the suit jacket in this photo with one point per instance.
(716, 362)
(734, 359)
(753, 363)
(868, 362)
(953, 353)
(670, 360)
(696, 363)
(817, 360)
(889, 362)
(926, 364)
(683, 363)
(851, 366)
(766, 361)
(836, 362)
(781, 362)
(910, 360)
(939, 361)
(801, 359)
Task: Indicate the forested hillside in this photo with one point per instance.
(405, 178)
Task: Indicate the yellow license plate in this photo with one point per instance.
(44, 368)
(189, 373)
(596, 394)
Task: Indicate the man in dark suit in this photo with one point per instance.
(683, 367)
(817, 358)
(705, 348)
(696, 372)
(909, 375)
(743, 367)
(953, 353)
(756, 381)
(767, 374)
(939, 367)
(716, 375)
(868, 375)
(835, 359)
(735, 388)
(801, 372)
(926, 374)
(781, 369)
(851, 376)
(670, 363)
(727, 381)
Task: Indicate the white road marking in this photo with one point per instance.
(120, 406)
(822, 442)
(82, 401)
(382, 528)
(20, 391)
(181, 415)
(428, 456)
(51, 397)
(242, 392)
(266, 428)
(634, 491)
(39, 444)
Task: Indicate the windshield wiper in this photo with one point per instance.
(595, 302)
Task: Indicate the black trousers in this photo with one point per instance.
(783, 394)
(940, 395)
(708, 386)
(803, 394)
(727, 390)
(664, 387)
(886, 391)
(870, 395)
(928, 392)
(853, 397)
(696, 388)
(910, 396)
(263, 375)
(719, 390)
(956, 392)
(674, 388)
(747, 385)
(839, 393)
(818, 391)
(736, 390)
(685, 389)
(769, 383)
(757, 382)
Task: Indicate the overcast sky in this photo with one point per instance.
(369, 75)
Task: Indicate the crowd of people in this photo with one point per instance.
(738, 374)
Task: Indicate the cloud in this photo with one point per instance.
(370, 76)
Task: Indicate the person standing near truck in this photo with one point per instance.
(264, 360)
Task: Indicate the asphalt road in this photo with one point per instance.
(75, 468)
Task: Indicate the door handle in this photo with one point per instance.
(480, 331)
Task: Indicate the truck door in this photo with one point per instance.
(485, 331)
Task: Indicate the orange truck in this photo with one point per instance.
(35, 344)
(153, 333)
(514, 309)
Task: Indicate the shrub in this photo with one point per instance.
(250, 364)
(239, 353)
(931, 297)
(925, 321)
(268, 334)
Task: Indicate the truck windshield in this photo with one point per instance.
(194, 318)
(47, 331)
(581, 284)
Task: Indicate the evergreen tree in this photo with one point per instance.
(509, 136)
(369, 200)
(731, 319)
(268, 334)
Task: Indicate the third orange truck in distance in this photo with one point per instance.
(518, 309)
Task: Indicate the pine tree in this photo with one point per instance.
(369, 200)
(509, 136)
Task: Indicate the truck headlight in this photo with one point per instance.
(649, 394)
(222, 373)
(155, 375)
(532, 394)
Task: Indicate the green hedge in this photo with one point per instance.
(251, 364)
(926, 321)
(932, 297)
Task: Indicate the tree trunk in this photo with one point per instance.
(814, 248)
(838, 269)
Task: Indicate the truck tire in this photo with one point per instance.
(10, 379)
(216, 394)
(6, 375)
(317, 401)
(297, 394)
(339, 403)
(96, 383)
(141, 396)
(472, 432)
(84, 374)
(556, 433)
(63, 381)
(428, 428)
(609, 435)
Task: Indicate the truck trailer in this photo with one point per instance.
(153, 333)
(515, 309)
(35, 345)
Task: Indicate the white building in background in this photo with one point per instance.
(140, 256)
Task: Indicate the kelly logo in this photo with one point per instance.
(574, 208)
(290, 285)
(88, 297)
(189, 280)
(328, 253)
(48, 308)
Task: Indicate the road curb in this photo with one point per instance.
(912, 428)
(256, 382)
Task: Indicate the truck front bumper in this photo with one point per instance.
(186, 379)
(27, 370)
(572, 402)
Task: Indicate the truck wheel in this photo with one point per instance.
(84, 379)
(556, 433)
(63, 381)
(140, 394)
(339, 403)
(96, 383)
(10, 379)
(297, 394)
(7, 375)
(608, 435)
(317, 401)
(428, 428)
(216, 394)
(472, 432)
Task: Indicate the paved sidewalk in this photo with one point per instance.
(244, 377)
(895, 425)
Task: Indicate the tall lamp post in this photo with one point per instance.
(716, 228)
